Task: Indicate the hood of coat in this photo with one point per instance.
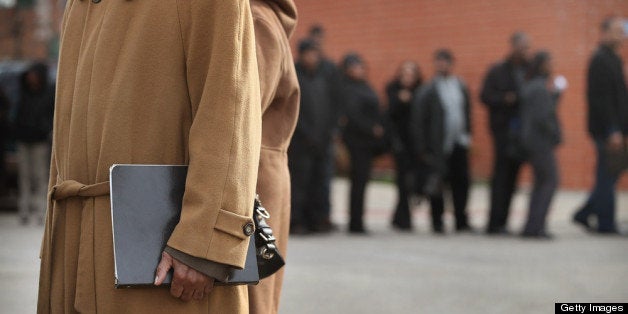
(286, 11)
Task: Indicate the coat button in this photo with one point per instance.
(248, 229)
(95, 1)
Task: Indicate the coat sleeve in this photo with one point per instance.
(536, 111)
(358, 114)
(225, 135)
(600, 96)
(394, 103)
(417, 123)
(491, 95)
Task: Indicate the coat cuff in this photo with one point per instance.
(226, 243)
(214, 270)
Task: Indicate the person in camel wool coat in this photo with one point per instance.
(274, 21)
(153, 82)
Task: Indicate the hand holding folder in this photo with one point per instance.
(145, 207)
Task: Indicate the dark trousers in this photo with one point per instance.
(601, 202)
(331, 170)
(505, 172)
(458, 179)
(308, 173)
(545, 185)
(361, 160)
(405, 181)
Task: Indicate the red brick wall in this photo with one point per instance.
(32, 47)
(387, 32)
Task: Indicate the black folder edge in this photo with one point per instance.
(115, 264)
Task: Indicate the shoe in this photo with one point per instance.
(501, 231)
(537, 235)
(401, 227)
(325, 227)
(438, 230)
(299, 230)
(464, 229)
(609, 232)
(583, 222)
(358, 231)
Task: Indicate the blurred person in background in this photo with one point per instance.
(274, 22)
(608, 125)
(362, 134)
(31, 130)
(541, 134)
(4, 131)
(400, 92)
(308, 154)
(317, 35)
(500, 93)
(441, 125)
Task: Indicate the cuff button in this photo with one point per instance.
(249, 229)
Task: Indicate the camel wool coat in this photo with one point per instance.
(151, 82)
(274, 21)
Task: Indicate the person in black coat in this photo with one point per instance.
(608, 125)
(500, 93)
(401, 91)
(541, 134)
(362, 134)
(31, 131)
(317, 35)
(308, 155)
(4, 131)
(441, 129)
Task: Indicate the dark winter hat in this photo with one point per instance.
(444, 54)
(316, 30)
(351, 59)
(307, 45)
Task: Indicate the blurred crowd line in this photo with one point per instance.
(427, 126)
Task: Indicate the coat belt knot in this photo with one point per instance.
(71, 188)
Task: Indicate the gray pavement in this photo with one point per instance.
(390, 272)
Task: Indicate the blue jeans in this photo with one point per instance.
(601, 202)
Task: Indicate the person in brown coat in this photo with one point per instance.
(153, 82)
(274, 21)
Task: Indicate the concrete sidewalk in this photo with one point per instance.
(390, 272)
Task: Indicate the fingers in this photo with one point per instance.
(198, 295)
(176, 289)
(189, 284)
(209, 286)
(162, 269)
(187, 294)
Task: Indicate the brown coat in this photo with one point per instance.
(274, 21)
(151, 82)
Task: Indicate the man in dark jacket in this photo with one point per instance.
(608, 124)
(316, 34)
(441, 129)
(363, 134)
(32, 128)
(309, 150)
(500, 94)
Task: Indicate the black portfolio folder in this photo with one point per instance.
(145, 208)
